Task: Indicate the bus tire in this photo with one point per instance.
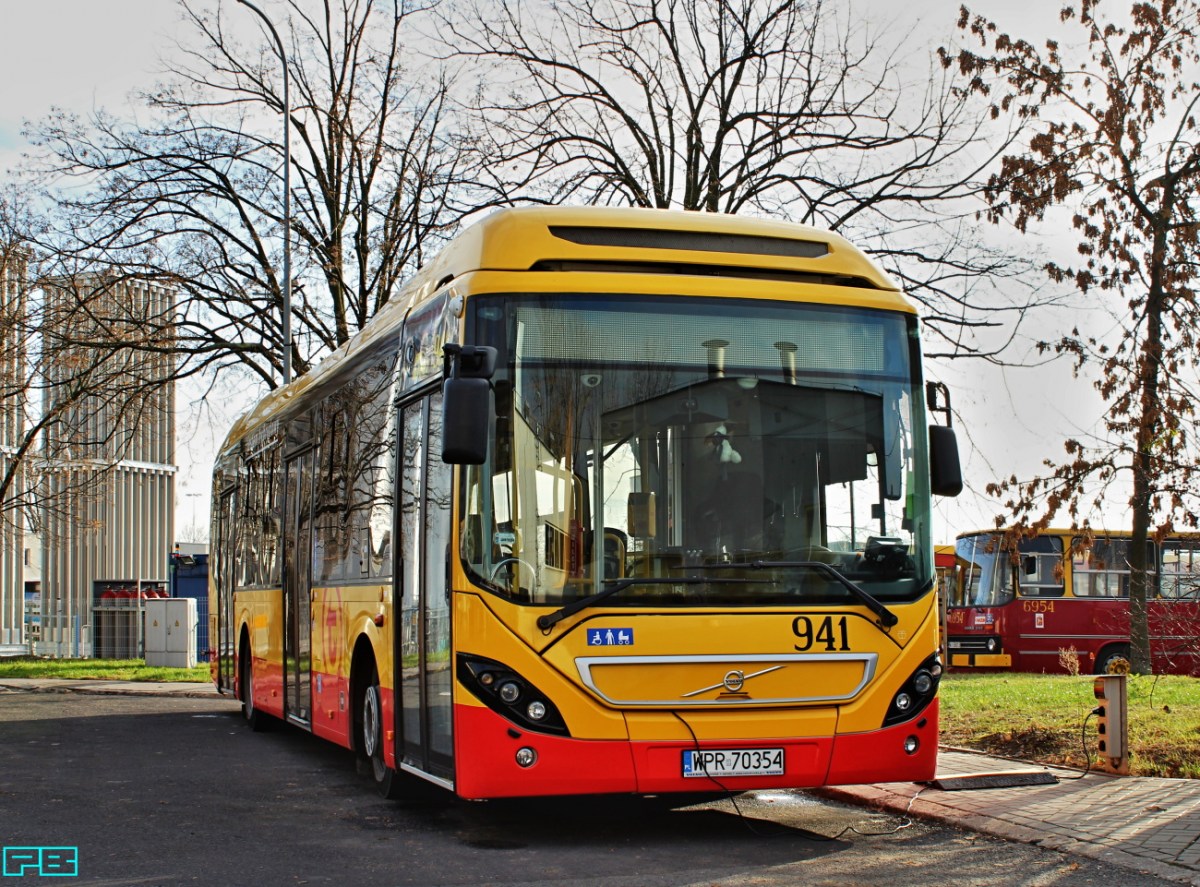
(1113, 659)
(258, 720)
(387, 780)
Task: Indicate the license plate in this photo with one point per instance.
(733, 762)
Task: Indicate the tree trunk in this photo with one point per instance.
(1142, 573)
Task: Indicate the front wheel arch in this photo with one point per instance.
(254, 716)
(1113, 659)
(367, 710)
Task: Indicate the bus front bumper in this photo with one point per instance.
(493, 760)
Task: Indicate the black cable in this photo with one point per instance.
(729, 793)
(1087, 755)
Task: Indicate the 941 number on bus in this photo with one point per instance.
(829, 634)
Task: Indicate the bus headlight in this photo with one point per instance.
(916, 693)
(509, 694)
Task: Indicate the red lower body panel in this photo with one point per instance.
(268, 686)
(485, 760)
(660, 766)
(879, 756)
(331, 704)
(486, 746)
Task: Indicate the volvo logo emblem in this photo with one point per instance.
(733, 682)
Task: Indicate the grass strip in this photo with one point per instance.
(98, 670)
(1040, 718)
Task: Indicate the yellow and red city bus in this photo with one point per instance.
(608, 500)
(1059, 601)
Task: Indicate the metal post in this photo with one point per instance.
(287, 198)
(1112, 724)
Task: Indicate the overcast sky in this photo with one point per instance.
(87, 54)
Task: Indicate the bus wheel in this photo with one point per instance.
(256, 719)
(1113, 660)
(387, 780)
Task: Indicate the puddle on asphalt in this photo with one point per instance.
(787, 798)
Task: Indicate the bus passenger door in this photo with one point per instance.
(297, 603)
(223, 639)
(424, 669)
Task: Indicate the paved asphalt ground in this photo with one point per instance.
(1144, 825)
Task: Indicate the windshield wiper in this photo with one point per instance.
(612, 586)
(886, 617)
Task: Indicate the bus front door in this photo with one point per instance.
(424, 671)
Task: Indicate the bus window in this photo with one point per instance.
(1100, 567)
(1041, 567)
(1180, 570)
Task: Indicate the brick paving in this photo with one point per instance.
(1148, 824)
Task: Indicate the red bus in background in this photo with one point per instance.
(944, 563)
(1059, 602)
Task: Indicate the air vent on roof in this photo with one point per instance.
(702, 270)
(702, 241)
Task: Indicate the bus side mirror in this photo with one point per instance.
(945, 473)
(467, 405)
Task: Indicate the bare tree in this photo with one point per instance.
(193, 195)
(775, 107)
(86, 363)
(1114, 139)
(15, 228)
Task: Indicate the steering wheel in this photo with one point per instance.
(505, 561)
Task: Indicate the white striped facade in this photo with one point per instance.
(13, 271)
(110, 487)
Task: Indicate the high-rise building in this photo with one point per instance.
(13, 270)
(109, 485)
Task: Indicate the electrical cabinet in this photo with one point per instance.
(171, 632)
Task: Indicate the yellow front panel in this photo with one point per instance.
(730, 675)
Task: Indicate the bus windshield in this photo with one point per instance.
(731, 443)
(985, 571)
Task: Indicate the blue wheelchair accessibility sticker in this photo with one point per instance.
(610, 637)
